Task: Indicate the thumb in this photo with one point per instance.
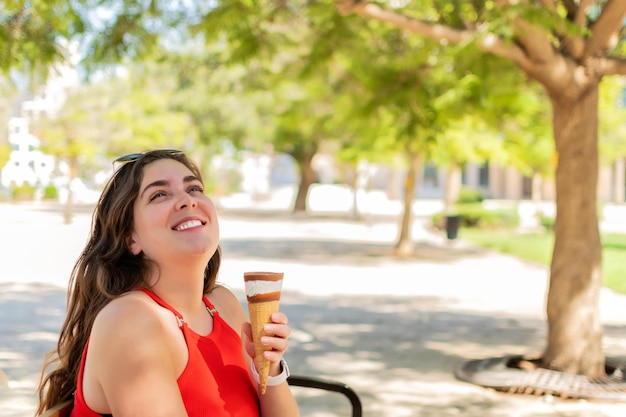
(246, 330)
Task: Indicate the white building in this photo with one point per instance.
(26, 164)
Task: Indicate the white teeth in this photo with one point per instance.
(189, 224)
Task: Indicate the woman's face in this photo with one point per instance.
(173, 216)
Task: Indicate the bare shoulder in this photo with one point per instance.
(135, 350)
(229, 306)
(129, 310)
(131, 317)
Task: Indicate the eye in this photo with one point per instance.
(196, 188)
(157, 194)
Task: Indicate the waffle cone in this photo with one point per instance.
(260, 315)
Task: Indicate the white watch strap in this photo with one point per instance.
(272, 381)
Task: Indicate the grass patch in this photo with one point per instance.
(613, 265)
(537, 247)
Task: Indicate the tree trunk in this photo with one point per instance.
(405, 245)
(453, 187)
(307, 178)
(393, 184)
(574, 328)
(360, 186)
(354, 184)
(68, 211)
(536, 194)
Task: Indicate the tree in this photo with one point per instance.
(8, 95)
(529, 145)
(567, 47)
(110, 117)
(302, 125)
(141, 116)
(426, 103)
(32, 34)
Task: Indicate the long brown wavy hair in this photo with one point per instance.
(105, 270)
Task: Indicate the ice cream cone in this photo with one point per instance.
(263, 295)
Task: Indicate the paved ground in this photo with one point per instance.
(392, 329)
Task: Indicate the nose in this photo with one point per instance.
(185, 201)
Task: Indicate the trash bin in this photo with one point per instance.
(452, 226)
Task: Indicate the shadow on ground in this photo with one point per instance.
(342, 252)
(397, 353)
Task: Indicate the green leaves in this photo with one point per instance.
(35, 34)
(612, 129)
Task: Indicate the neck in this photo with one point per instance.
(180, 285)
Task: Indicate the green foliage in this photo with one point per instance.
(34, 34)
(50, 192)
(9, 94)
(5, 151)
(470, 195)
(612, 129)
(274, 72)
(530, 246)
(224, 102)
(144, 121)
(501, 218)
(23, 192)
(474, 215)
(547, 222)
(613, 266)
(223, 182)
(114, 116)
(469, 206)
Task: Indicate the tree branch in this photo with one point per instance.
(570, 6)
(549, 4)
(488, 43)
(535, 41)
(575, 44)
(581, 13)
(605, 30)
(612, 66)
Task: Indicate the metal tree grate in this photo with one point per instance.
(499, 374)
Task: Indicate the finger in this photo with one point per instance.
(246, 329)
(250, 349)
(277, 330)
(279, 318)
(273, 356)
(275, 344)
(246, 337)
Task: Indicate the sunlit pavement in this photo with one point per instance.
(393, 329)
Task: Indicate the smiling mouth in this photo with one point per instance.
(188, 225)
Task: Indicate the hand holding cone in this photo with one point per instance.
(263, 294)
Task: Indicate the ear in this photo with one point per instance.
(132, 244)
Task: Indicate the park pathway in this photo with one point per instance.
(393, 329)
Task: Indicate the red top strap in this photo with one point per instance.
(210, 307)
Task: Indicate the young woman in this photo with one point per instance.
(148, 332)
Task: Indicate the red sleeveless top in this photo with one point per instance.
(215, 382)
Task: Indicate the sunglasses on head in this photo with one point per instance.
(131, 157)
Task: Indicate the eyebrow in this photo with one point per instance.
(162, 183)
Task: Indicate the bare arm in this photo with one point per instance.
(134, 361)
(278, 401)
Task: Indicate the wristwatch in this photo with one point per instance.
(272, 381)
